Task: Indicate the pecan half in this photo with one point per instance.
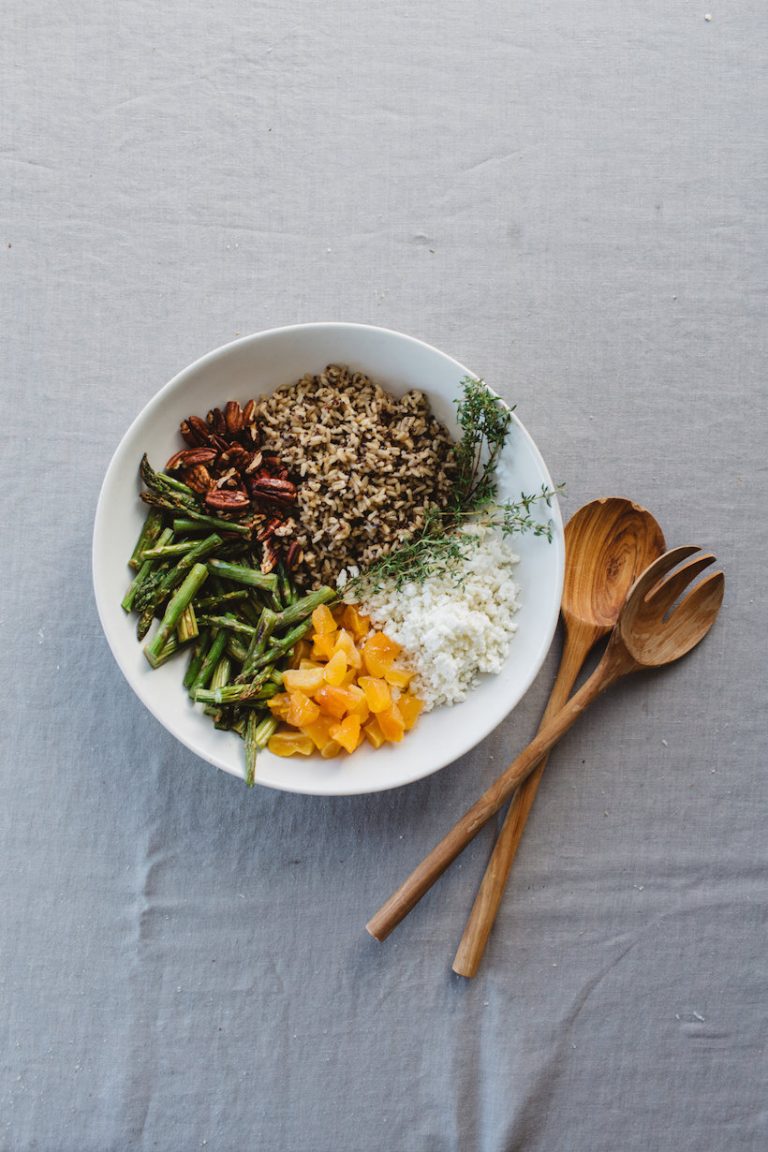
(233, 417)
(269, 529)
(272, 488)
(194, 431)
(294, 555)
(225, 500)
(188, 457)
(197, 478)
(269, 558)
(216, 421)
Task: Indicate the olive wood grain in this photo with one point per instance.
(651, 631)
(608, 543)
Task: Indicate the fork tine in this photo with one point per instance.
(659, 568)
(695, 615)
(664, 594)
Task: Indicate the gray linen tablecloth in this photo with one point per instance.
(570, 198)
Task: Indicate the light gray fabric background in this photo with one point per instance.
(570, 198)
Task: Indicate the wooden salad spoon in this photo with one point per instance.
(608, 543)
(652, 630)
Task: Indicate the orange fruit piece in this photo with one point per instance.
(352, 620)
(358, 703)
(279, 705)
(391, 724)
(319, 731)
(300, 652)
(303, 680)
(373, 733)
(301, 710)
(377, 693)
(336, 668)
(379, 653)
(346, 644)
(323, 646)
(329, 750)
(410, 709)
(290, 744)
(347, 733)
(398, 677)
(322, 620)
(333, 701)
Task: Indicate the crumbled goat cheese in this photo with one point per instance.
(456, 626)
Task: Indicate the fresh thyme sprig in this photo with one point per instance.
(484, 420)
(441, 546)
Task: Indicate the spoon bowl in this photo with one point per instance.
(608, 543)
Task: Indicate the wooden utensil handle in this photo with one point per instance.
(578, 642)
(433, 865)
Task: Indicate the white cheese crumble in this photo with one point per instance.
(453, 627)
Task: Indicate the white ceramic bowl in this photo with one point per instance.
(258, 364)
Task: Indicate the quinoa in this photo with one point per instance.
(369, 466)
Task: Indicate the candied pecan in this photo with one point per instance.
(225, 500)
(272, 488)
(233, 417)
(255, 462)
(237, 455)
(218, 442)
(198, 478)
(270, 557)
(269, 529)
(229, 479)
(216, 421)
(293, 556)
(195, 431)
(189, 457)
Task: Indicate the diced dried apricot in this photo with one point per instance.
(350, 676)
(322, 620)
(329, 750)
(279, 705)
(333, 701)
(301, 711)
(336, 668)
(290, 744)
(391, 724)
(323, 645)
(303, 680)
(319, 732)
(347, 733)
(346, 644)
(373, 733)
(410, 709)
(358, 625)
(359, 704)
(304, 664)
(377, 693)
(379, 653)
(300, 652)
(398, 677)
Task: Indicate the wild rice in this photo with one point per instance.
(370, 465)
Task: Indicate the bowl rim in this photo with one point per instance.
(458, 748)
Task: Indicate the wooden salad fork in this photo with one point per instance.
(652, 630)
(608, 543)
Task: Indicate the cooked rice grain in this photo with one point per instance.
(369, 465)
